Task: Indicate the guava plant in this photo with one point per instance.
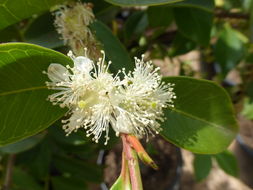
(98, 88)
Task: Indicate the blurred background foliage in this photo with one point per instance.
(218, 34)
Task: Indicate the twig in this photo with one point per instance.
(133, 165)
(223, 14)
(9, 171)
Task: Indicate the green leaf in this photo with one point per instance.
(58, 134)
(181, 45)
(207, 5)
(99, 6)
(25, 110)
(228, 5)
(38, 159)
(9, 34)
(203, 119)
(135, 25)
(114, 50)
(13, 11)
(202, 166)
(249, 91)
(108, 14)
(247, 111)
(22, 180)
(197, 26)
(23, 145)
(104, 11)
(230, 48)
(160, 16)
(251, 22)
(227, 161)
(64, 183)
(42, 32)
(141, 2)
(78, 169)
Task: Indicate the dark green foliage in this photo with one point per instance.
(190, 124)
(202, 166)
(203, 120)
(227, 161)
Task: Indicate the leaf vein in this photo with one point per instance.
(22, 90)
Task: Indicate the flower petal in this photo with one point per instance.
(57, 73)
(83, 64)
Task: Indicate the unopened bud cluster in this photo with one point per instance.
(72, 22)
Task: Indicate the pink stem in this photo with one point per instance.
(133, 164)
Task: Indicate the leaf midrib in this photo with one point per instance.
(22, 90)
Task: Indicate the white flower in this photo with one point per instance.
(145, 96)
(72, 82)
(87, 90)
(72, 22)
(97, 100)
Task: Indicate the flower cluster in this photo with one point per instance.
(97, 99)
(72, 22)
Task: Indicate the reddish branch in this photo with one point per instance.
(133, 164)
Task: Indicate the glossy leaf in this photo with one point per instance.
(181, 45)
(247, 111)
(78, 169)
(23, 93)
(22, 180)
(136, 25)
(38, 159)
(160, 16)
(67, 183)
(227, 161)
(202, 166)
(113, 48)
(42, 32)
(251, 22)
(230, 48)
(23, 145)
(9, 34)
(104, 11)
(59, 136)
(207, 5)
(249, 89)
(203, 119)
(13, 11)
(141, 2)
(197, 26)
